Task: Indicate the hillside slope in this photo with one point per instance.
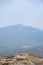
(37, 51)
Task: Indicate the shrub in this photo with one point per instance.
(5, 64)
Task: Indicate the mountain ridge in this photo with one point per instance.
(20, 25)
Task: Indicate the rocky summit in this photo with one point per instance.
(21, 59)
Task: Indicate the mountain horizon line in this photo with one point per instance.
(21, 25)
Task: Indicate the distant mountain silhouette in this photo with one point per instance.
(14, 37)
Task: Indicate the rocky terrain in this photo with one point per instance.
(21, 59)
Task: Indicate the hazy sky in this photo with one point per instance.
(26, 12)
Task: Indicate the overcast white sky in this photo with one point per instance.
(26, 12)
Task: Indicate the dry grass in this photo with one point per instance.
(23, 59)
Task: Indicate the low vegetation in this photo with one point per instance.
(24, 59)
(5, 64)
